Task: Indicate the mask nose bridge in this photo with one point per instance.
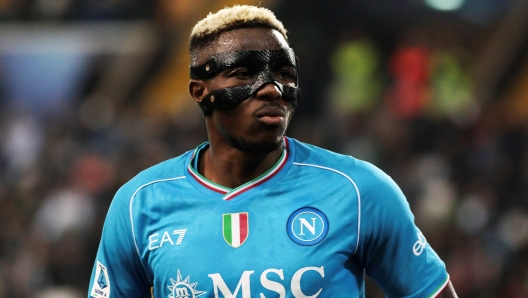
(262, 61)
(265, 77)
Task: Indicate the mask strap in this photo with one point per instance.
(228, 98)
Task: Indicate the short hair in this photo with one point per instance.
(230, 18)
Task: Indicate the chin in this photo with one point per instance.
(256, 139)
(256, 146)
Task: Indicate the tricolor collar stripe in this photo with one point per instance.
(206, 183)
(231, 193)
(264, 177)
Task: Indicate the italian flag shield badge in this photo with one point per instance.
(235, 227)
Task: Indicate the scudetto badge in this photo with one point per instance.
(235, 228)
(307, 226)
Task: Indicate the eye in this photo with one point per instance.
(286, 74)
(240, 72)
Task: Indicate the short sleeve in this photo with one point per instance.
(392, 249)
(117, 272)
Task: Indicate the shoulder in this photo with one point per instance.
(362, 172)
(372, 185)
(170, 169)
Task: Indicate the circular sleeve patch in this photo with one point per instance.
(307, 226)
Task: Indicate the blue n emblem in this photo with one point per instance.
(307, 226)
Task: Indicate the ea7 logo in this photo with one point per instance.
(156, 241)
(222, 290)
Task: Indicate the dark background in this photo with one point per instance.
(92, 92)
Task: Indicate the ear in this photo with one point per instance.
(197, 90)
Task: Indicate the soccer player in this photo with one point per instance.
(252, 213)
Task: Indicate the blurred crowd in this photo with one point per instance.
(92, 92)
(461, 165)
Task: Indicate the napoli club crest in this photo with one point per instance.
(235, 228)
(307, 226)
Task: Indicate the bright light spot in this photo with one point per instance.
(445, 4)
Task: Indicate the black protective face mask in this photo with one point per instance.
(278, 67)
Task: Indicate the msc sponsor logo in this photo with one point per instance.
(183, 288)
(222, 290)
(268, 279)
(307, 226)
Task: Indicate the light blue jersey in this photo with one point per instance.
(311, 226)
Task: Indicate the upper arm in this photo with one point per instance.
(392, 249)
(118, 271)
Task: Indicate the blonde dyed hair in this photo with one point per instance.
(230, 18)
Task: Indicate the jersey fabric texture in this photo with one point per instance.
(311, 226)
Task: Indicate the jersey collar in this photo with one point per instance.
(228, 194)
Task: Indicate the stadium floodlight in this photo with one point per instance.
(445, 5)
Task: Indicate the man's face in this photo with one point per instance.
(258, 123)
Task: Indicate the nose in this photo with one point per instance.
(269, 91)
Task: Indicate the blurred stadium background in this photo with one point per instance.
(435, 92)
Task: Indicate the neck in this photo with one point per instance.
(231, 167)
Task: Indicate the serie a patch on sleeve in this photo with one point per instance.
(101, 282)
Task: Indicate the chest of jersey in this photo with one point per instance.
(295, 239)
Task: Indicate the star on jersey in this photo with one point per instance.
(182, 288)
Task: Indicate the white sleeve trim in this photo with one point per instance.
(441, 288)
(132, 200)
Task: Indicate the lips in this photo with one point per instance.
(271, 115)
(271, 111)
